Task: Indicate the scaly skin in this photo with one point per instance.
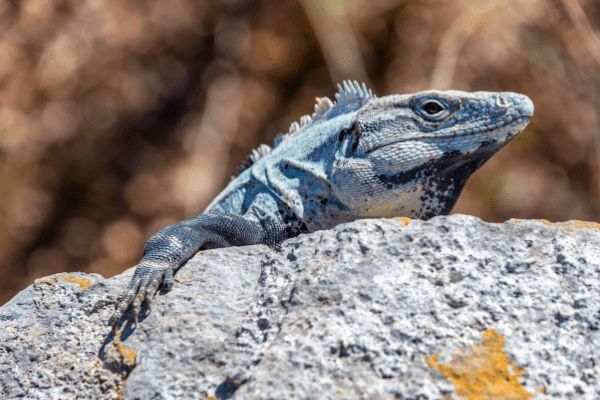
(358, 157)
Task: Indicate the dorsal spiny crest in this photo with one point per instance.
(305, 119)
(349, 97)
(294, 126)
(261, 151)
(352, 91)
(322, 104)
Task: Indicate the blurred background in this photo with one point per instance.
(120, 117)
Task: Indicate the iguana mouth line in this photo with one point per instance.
(485, 131)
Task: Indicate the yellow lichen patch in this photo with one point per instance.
(83, 283)
(572, 225)
(405, 220)
(128, 355)
(483, 371)
(45, 281)
(185, 278)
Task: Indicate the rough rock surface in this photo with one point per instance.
(372, 309)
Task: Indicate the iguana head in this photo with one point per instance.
(411, 154)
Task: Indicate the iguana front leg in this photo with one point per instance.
(172, 246)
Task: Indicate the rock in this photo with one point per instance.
(451, 307)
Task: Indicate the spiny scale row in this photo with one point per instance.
(350, 95)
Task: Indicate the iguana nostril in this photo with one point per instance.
(501, 101)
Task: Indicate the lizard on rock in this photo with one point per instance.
(359, 156)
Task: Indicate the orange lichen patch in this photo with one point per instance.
(185, 278)
(405, 220)
(483, 371)
(83, 283)
(128, 355)
(45, 281)
(572, 225)
(210, 397)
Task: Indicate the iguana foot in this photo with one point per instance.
(149, 276)
(173, 246)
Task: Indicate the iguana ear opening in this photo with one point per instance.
(350, 138)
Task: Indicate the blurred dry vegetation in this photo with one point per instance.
(120, 117)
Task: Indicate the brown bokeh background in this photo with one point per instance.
(120, 117)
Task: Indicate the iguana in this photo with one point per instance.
(359, 156)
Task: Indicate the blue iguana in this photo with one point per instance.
(358, 156)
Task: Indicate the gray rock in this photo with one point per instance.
(372, 309)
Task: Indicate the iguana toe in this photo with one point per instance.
(148, 277)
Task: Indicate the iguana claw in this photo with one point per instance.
(148, 277)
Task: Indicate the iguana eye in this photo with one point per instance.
(432, 107)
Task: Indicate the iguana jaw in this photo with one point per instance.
(433, 188)
(499, 133)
